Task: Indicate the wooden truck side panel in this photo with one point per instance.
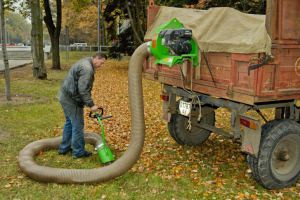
(231, 80)
(288, 77)
(283, 21)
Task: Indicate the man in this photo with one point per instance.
(75, 93)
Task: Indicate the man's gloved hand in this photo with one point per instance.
(94, 108)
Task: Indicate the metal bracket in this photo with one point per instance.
(265, 61)
(215, 130)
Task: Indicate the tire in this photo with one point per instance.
(253, 161)
(178, 123)
(279, 157)
(171, 128)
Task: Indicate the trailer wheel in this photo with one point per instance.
(178, 127)
(279, 157)
(173, 134)
(253, 161)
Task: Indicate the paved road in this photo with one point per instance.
(14, 63)
(18, 56)
(16, 48)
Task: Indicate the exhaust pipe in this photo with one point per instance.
(117, 168)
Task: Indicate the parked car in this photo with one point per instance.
(78, 45)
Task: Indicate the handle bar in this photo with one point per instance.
(97, 115)
(106, 117)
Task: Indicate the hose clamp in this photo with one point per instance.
(99, 146)
(148, 47)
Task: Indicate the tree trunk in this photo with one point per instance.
(55, 53)
(5, 59)
(136, 35)
(39, 69)
(54, 31)
(139, 16)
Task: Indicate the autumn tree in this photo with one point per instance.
(81, 19)
(17, 27)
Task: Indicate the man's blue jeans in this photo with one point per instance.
(73, 136)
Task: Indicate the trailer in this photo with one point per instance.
(240, 79)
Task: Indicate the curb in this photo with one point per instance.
(15, 67)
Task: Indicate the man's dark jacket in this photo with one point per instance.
(77, 86)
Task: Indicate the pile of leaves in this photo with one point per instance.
(214, 164)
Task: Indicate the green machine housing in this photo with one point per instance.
(174, 44)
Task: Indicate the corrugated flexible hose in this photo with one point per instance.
(101, 174)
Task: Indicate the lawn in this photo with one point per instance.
(214, 170)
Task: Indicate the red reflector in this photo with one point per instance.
(245, 122)
(164, 97)
(248, 123)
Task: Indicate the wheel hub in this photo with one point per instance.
(283, 155)
(286, 157)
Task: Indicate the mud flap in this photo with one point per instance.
(166, 115)
(169, 106)
(251, 134)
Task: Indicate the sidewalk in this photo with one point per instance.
(14, 64)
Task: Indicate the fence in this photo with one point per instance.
(24, 52)
(104, 49)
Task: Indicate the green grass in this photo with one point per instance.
(74, 56)
(23, 123)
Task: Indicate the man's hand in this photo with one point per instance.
(94, 108)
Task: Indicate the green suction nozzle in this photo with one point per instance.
(104, 153)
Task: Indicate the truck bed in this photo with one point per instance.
(279, 80)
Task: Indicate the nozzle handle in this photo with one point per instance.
(95, 115)
(106, 117)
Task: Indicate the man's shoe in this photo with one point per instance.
(84, 155)
(64, 152)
